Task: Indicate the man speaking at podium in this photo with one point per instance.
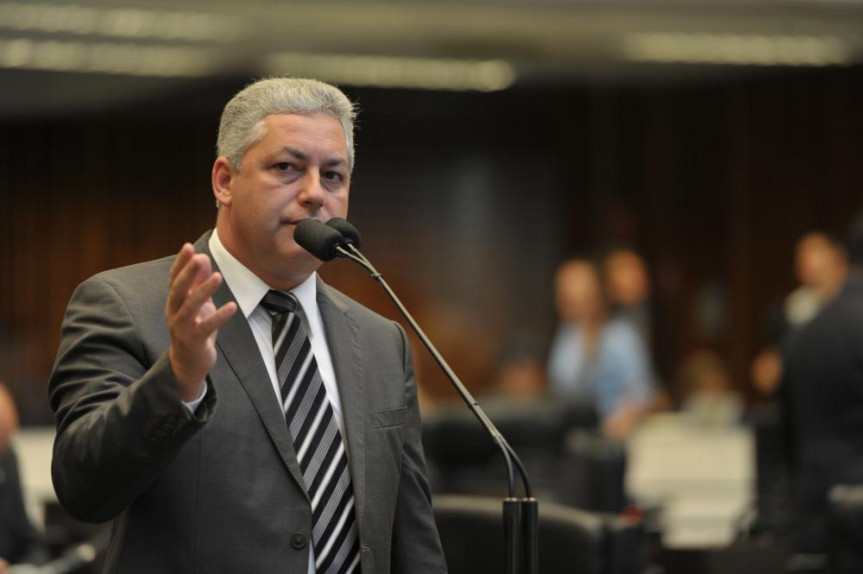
(229, 411)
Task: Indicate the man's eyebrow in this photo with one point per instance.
(331, 162)
(335, 162)
(294, 152)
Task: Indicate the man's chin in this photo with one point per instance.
(298, 261)
(299, 257)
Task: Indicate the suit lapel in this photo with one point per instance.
(343, 339)
(237, 344)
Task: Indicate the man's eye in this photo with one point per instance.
(284, 166)
(333, 176)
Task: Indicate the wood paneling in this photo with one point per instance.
(467, 202)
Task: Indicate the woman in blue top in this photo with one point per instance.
(597, 360)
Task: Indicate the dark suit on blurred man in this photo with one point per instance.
(824, 387)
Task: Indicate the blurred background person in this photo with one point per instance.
(628, 288)
(823, 382)
(20, 542)
(708, 398)
(820, 266)
(520, 371)
(596, 360)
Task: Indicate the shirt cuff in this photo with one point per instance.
(192, 406)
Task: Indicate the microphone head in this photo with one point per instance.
(350, 233)
(318, 239)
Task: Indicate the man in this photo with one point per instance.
(820, 265)
(823, 384)
(227, 409)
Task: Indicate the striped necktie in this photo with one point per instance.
(317, 441)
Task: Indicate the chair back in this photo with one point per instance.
(571, 541)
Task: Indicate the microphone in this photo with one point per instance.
(338, 238)
(325, 243)
(350, 234)
(318, 239)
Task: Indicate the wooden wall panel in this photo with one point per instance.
(467, 202)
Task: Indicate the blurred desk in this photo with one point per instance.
(748, 558)
(34, 446)
(701, 479)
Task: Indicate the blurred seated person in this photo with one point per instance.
(520, 370)
(19, 540)
(520, 391)
(594, 359)
(706, 394)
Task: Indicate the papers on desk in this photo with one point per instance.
(702, 478)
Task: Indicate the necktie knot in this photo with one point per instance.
(279, 302)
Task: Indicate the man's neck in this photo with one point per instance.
(280, 283)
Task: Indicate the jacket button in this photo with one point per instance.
(299, 541)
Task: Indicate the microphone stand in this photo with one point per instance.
(520, 515)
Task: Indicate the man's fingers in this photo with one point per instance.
(206, 326)
(195, 299)
(196, 269)
(186, 252)
(180, 284)
(215, 321)
(204, 267)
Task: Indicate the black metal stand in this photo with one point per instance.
(520, 515)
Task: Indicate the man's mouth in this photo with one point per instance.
(296, 222)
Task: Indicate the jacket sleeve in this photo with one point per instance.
(416, 547)
(120, 418)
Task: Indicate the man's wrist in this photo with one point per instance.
(192, 405)
(190, 390)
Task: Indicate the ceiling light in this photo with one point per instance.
(396, 72)
(738, 49)
(105, 58)
(116, 22)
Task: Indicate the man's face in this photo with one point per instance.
(298, 170)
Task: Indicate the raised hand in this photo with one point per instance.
(193, 319)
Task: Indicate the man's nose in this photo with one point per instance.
(311, 193)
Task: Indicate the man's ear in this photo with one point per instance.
(222, 177)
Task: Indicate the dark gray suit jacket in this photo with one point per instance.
(221, 491)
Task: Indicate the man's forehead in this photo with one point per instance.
(298, 118)
(321, 126)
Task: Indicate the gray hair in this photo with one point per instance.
(242, 120)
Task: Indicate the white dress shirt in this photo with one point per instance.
(249, 289)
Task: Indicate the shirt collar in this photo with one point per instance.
(249, 289)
